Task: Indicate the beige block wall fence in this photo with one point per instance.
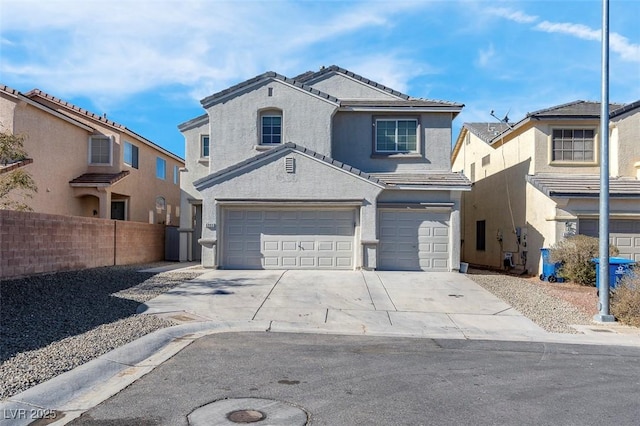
(35, 243)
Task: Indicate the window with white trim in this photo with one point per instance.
(130, 156)
(100, 150)
(161, 168)
(271, 127)
(397, 135)
(204, 146)
(573, 145)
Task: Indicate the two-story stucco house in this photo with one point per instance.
(87, 165)
(537, 181)
(326, 170)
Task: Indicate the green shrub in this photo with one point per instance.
(625, 300)
(575, 254)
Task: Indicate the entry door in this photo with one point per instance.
(118, 209)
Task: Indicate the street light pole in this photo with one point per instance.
(603, 231)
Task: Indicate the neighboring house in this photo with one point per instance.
(537, 181)
(324, 170)
(87, 165)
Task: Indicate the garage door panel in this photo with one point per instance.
(414, 240)
(284, 238)
(624, 234)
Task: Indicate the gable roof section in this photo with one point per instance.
(427, 180)
(309, 77)
(487, 131)
(625, 109)
(98, 179)
(35, 93)
(223, 174)
(270, 75)
(6, 168)
(575, 109)
(583, 186)
(194, 122)
(24, 97)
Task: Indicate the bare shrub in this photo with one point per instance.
(576, 254)
(625, 300)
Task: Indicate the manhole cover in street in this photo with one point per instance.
(258, 411)
(246, 416)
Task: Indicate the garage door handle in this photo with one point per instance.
(300, 246)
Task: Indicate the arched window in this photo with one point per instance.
(271, 127)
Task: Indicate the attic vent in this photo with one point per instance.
(290, 165)
(270, 91)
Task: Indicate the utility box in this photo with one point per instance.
(549, 269)
(619, 267)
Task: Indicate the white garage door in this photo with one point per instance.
(413, 240)
(288, 239)
(624, 234)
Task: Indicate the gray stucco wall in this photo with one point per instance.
(344, 87)
(353, 143)
(235, 123)
(313, 180)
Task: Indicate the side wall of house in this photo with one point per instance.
(625, 133)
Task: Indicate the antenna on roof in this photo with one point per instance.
(504, 120)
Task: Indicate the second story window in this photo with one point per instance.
(161, 168)
(396, 135)
(271, 128)
(573, 145)
(100, 150)
(176, 175)
(204, 146)
(130, 154)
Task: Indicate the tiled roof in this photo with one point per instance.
(310, 75)
(429, 179)
(580, 109)
(289, 146)
(6, 168)
(413, 102)
(486, 131)
(557, 185)
(210, 100)
(624, 109)
(98, 179)
(100, 118)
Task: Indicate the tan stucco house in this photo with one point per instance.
(87, 165)
(537, 181)
(325, 170)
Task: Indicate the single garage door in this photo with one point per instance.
(413, 240)
(288, 239)
(624, 234)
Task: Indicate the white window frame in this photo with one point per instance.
(132, 163)
(202, 153)
(594, 150)
(396, 136)
(160, 160)
(102, 138)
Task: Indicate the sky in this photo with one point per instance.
(148, 63)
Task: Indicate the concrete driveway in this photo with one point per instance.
(438, 304)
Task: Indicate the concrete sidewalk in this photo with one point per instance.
(370, 303)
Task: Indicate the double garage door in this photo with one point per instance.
(288, 239)
(413, 240)
(624, 234)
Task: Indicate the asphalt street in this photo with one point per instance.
(365, 380)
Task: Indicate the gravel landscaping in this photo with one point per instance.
(53, 323)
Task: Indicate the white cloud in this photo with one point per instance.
(486, 56)
(513, 15)
(617, 43)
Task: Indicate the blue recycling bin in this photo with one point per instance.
(618, 268)
(549, 269)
